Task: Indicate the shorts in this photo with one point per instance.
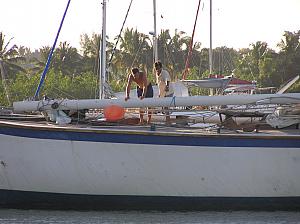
(149, 92)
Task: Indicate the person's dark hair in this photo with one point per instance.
(158, 64)
(135, 70)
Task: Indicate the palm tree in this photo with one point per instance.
(90, 47)
(290, 55)
(8, 63)
(164, 40)
(223, 60)
(133, 44)
(178, 44)
(39, 59)
(256, 56)
(67, 60)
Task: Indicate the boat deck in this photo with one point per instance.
(154, 128)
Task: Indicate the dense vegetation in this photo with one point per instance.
(73, 73)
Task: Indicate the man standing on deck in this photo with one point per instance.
(165, 87)
(144, 89)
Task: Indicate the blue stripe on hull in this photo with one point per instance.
(35, 200)
(156, 139)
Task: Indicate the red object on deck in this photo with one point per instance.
(114, 113)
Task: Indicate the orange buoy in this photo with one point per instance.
(114, 113)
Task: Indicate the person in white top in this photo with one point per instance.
(163, 81)
(165, 88)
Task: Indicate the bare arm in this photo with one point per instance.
(128, 87)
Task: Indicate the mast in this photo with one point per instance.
(210, 40)
(102, 53)
(210, 53)
(155, 53)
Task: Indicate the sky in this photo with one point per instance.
(236, 23)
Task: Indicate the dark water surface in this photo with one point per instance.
(238, 217)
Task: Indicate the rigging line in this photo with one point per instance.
(63, 92)
(50, 54)
(191, 45)
(119, 36)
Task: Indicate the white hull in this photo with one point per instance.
(112, 166)
(102, 168)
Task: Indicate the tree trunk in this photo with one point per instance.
(4, 83)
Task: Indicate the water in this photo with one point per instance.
(9, 216)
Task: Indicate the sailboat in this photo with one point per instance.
(112, 165)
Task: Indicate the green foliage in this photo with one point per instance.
(72, 75)
(3, 98)
(23, 87)
(56, 85)
(295, 88)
